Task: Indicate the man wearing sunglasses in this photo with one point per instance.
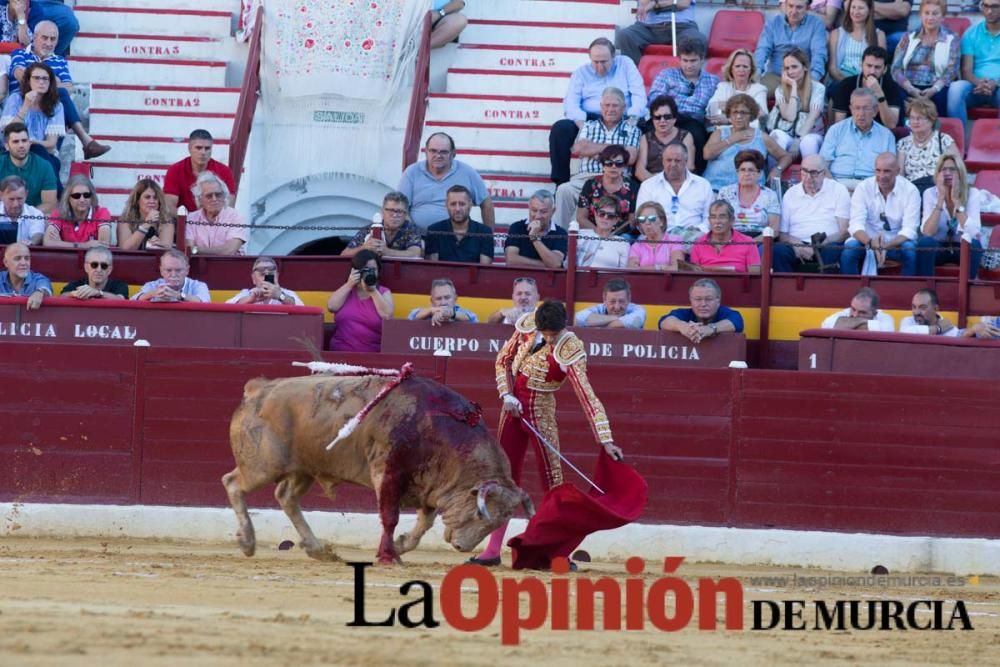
(215, 228)
(98, 284)
(885, 215)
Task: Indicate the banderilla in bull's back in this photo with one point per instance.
(428, 448)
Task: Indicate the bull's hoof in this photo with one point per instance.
(322, 552)
(247, 545)
(403, 544)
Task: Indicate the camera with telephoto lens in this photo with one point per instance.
(369, 276)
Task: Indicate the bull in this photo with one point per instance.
(423, 447)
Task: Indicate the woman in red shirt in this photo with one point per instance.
(78, 222)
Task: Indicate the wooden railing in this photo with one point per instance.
(249, 92)
(418, 98)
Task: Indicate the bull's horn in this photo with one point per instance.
(529, 507)
(484, 491)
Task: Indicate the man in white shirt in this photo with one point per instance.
(266, 289)
(862, 314)
(926, 319)
(885, 217)
(683, 195)
(817, 205)
(19, 222)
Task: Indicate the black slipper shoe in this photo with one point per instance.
(485, 562)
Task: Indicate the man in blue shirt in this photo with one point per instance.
(459, 238)
(444, 306)
(795, 27)
(980, 82)
(617, 310)
(851, 146)
(706, 318)
(20, 280)
(583, 100)
(425, 184)
(653, 26)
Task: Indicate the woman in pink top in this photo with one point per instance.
(723, 248)
(657, 252)
(78, 222)
(359, 306)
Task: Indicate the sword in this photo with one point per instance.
(541, 439)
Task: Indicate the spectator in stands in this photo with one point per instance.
(97, 264)
(266, 288)
(919, 151)
(691, 87)
(863, 313)
(682, 194)
(537, 241)
(601, 248)
(426, 184)
(728, 141)
(706, 318)
(41, 50)
(183, 174)
(756, 206)
(14, 24)
(594, 137)
(926, 61)
(80, 221)
(40, 110)
(655, 250)
(448, 23)
(951, 212)
(583, 101)
(888, 96)
(925, 314)
(654, 21)
(174, 285)
(459, 238)
(524, 299)
(444, 306)
(146, 222)
(814, 216)
(662, 131)
(847, 45)
(723, 248)
(60, 14)
(616, 311)
(400, 236)
(359, 307)
(19, 221)
(739, 75)
(37, 174)
(987, 327)
(796, 120)
(611, 182)
(214, 228)
(827, 11)
(795, 27)
(885, 217)
(20, 280)
(980, 68)
(851, 146)
(893, 18)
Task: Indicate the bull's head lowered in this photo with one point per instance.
(472, 517)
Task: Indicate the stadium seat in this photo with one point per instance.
(715, 65)
(650, 66)
(658, 50)
(984, 146)
(975, 113)
(953, 128)
(733, 29)
(989, 180)
(957, 24)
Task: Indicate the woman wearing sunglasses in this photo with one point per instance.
(98, 284)
(657, 251)
(611, 183)
(78, 222)
(663, 119)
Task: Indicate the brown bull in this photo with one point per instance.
(423, 446)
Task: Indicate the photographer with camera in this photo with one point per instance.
(266, 289)
(359, 306)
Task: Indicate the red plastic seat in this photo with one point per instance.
(953, 128)
(715, 65)
(990, 181)
(650, 66)
(984, 145)
(975, 113)
(734, 29)
(957, 24)
(658, 50)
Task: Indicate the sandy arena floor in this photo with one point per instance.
(143, 602)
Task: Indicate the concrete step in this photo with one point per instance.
(154, 149)
(556, 10)
(500, 109)
(124, 175)
(534, 163)
(521, 83)
(488, 135)
(164, 98)
(158, 123)
(155, 20)
(500, 57)
(516, 186)
(231, 6)
(111, 45)
(535, 33)
(114, 199)
(124, 71)
(505, 212)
